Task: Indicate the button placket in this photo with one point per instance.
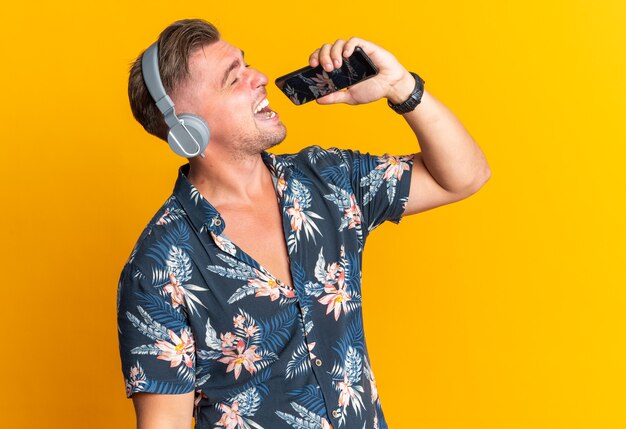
(317, 364)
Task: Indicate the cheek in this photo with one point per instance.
(229, 120)
(234, 113)
(229, 111)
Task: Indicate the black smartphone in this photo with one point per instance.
(310, 83)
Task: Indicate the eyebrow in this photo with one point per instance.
(232, 67)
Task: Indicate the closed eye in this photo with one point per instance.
(236, 79)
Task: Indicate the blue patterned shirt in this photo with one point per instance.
(196, 313)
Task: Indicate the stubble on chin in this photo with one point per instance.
(253, 145)
(278, 139)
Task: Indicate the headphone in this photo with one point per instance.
(188, 134)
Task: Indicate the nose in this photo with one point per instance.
(258, 79)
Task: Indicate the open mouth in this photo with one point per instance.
(263, 110)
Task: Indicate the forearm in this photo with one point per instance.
(449, 153)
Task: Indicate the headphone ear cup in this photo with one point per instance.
(194, 125)
(198, 128)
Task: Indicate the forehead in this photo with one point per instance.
(213, 60)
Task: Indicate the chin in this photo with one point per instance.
(276, 138)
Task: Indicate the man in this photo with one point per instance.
(241, 301)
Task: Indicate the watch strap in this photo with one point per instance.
(414, 99)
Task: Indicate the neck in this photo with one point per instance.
(225, 180)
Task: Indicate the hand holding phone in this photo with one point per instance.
(310, 83)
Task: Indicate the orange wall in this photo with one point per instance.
(516, 315)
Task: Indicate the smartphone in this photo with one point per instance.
(310, 83)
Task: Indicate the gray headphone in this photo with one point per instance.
(188, 134)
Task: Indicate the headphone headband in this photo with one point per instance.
(150, 68)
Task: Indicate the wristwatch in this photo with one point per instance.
(414, 99)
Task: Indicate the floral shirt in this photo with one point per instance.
(196, 313)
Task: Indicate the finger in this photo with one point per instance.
(336, 52)
(335, 97)
(348, 48)
(353, 42)
(324, 57)
(314, 58)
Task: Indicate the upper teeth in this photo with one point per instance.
(262, 105)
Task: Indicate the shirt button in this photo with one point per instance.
(318, 362)
(336, 414)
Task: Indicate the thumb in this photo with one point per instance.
(335, 97)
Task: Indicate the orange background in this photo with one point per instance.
(504, 310)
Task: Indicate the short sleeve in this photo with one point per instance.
(156, 344)
(381, 185)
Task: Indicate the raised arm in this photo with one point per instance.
(450, 166)
(160, 411)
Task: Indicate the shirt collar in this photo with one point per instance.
(200, 211)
